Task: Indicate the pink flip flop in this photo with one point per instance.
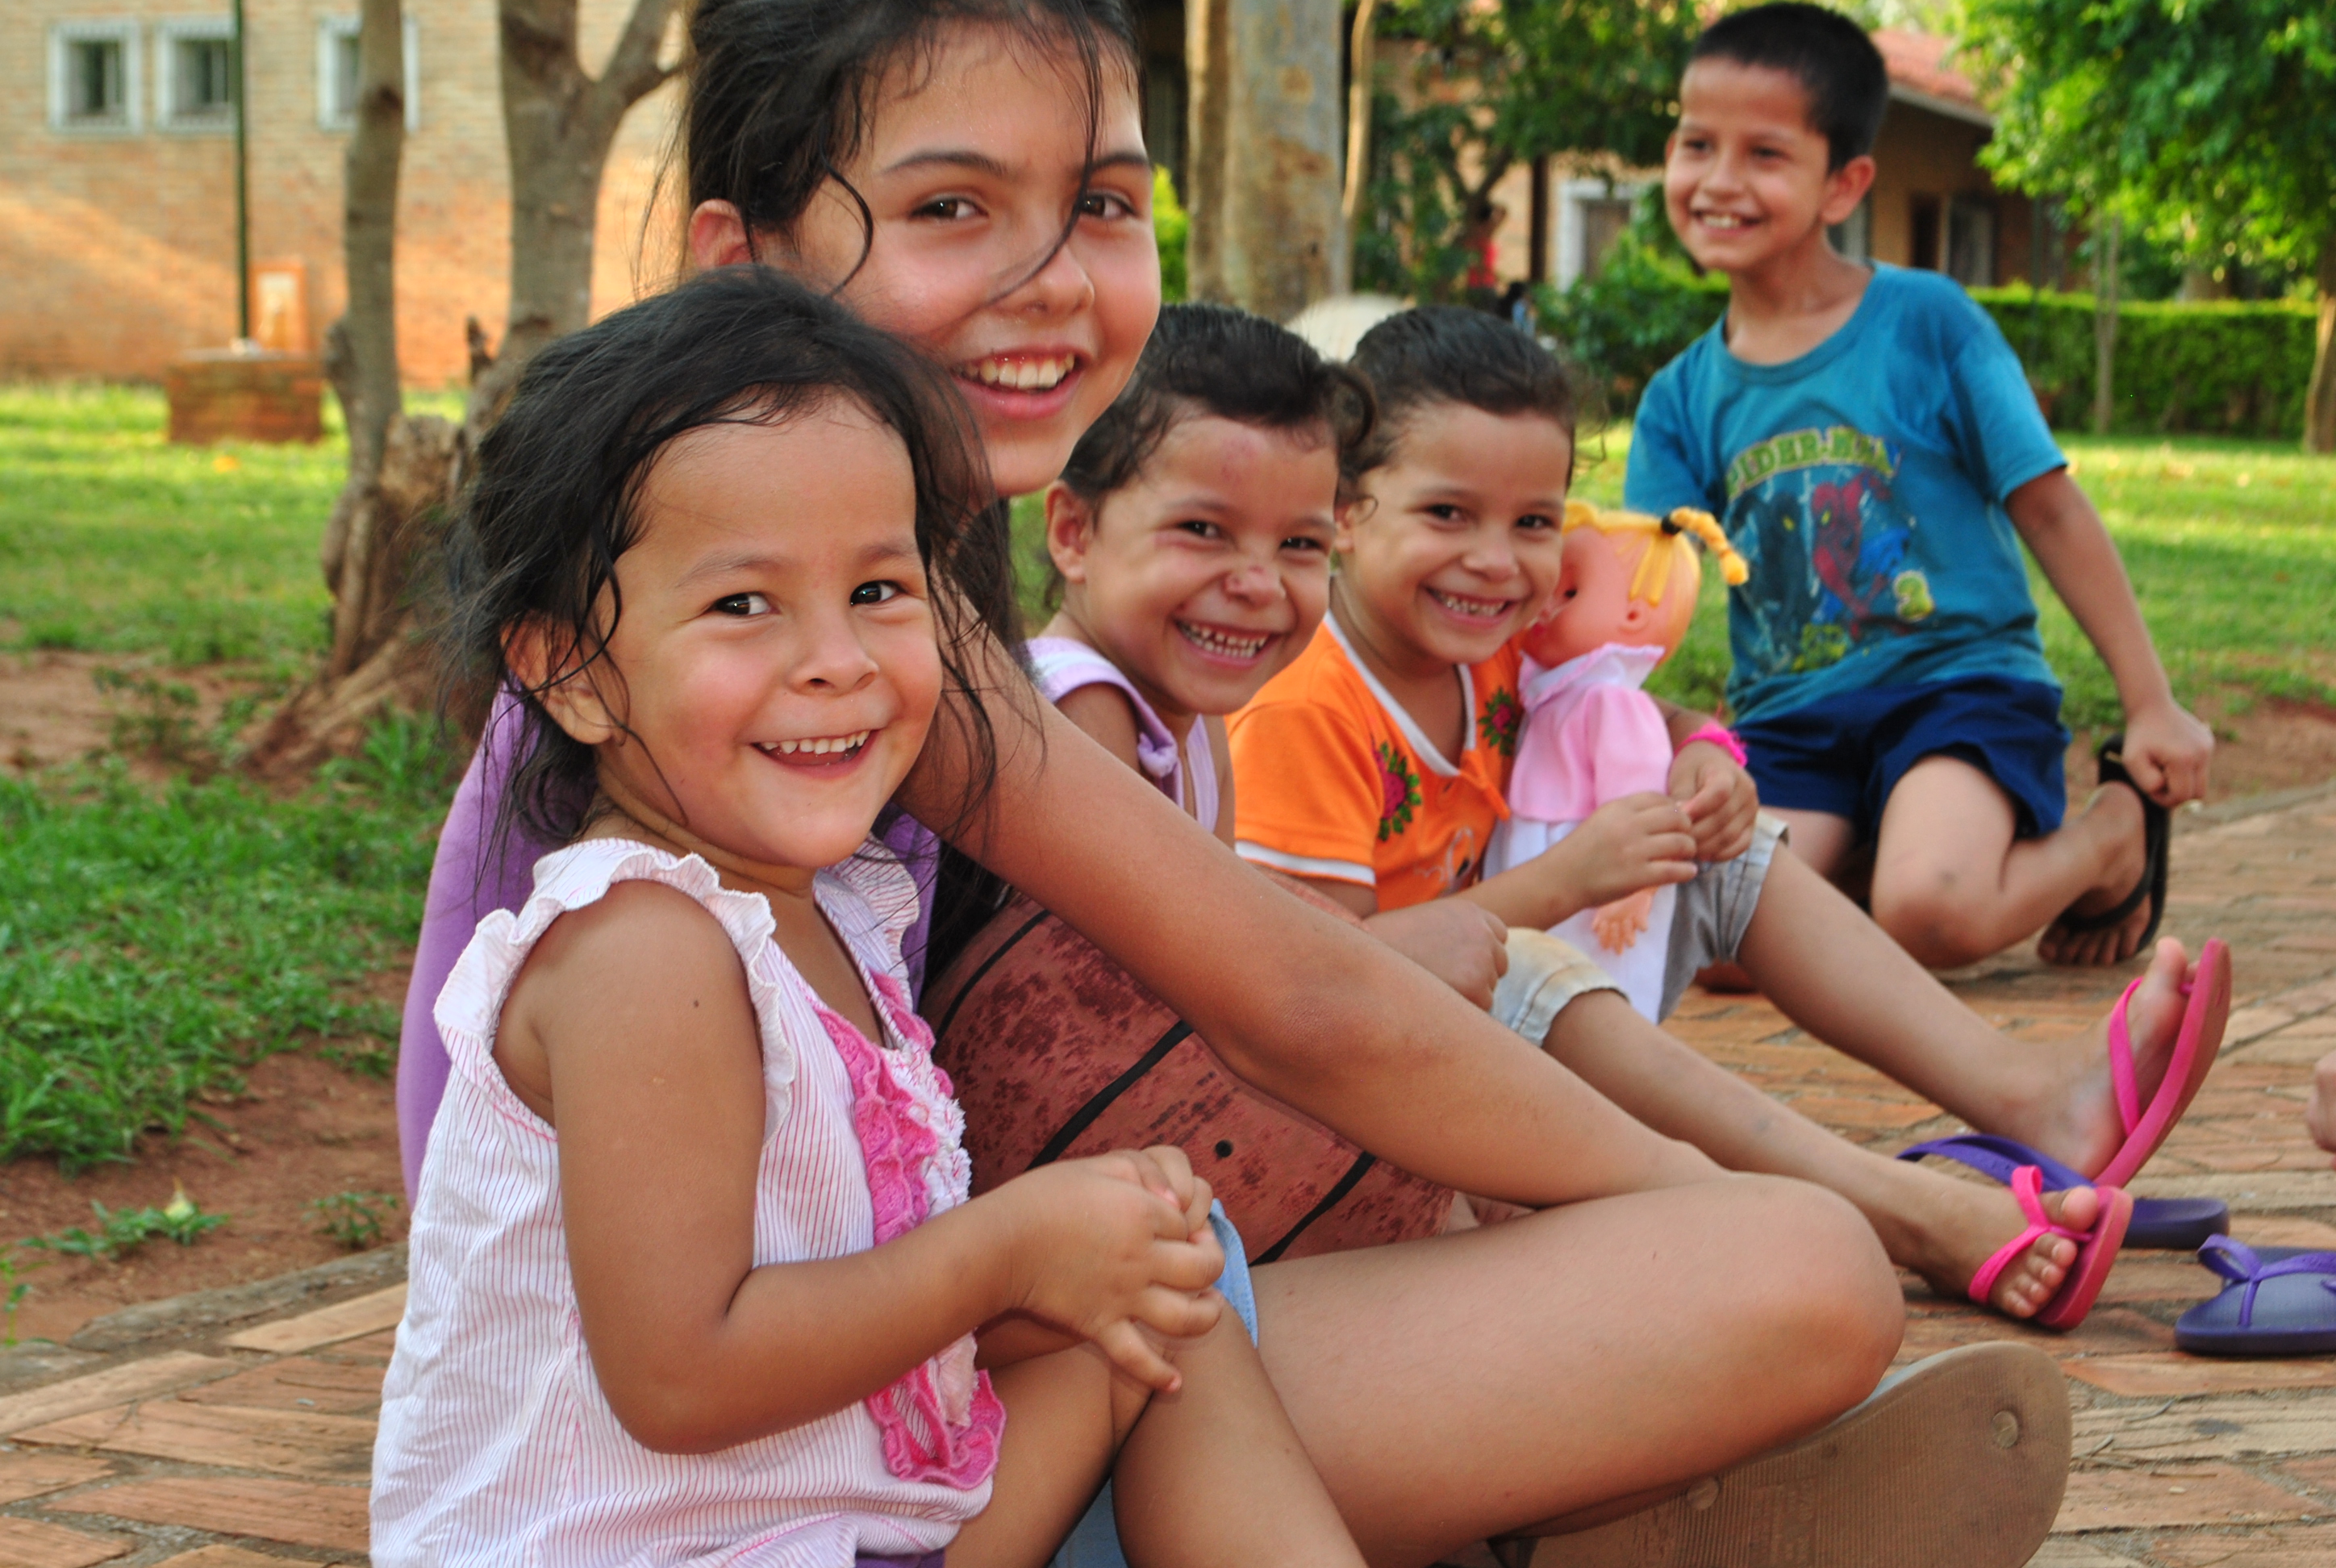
(2097, 1250)
(2194, 1048)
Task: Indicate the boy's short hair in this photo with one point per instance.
(1827, 52)
(1449, 353)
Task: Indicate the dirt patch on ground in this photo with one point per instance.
(305, 1130)
(60, 707)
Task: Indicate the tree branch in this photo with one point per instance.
(633, 72)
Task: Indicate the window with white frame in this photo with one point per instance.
(94, 75)
(336, 73)
(194, 75)
(1591, 216)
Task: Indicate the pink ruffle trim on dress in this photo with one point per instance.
(942, 1421)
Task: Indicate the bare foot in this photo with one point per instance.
(2075, 1119)
(2114, 811)
(2319, 1116)
(1969, 1224)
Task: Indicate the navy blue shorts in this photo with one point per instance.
(1844, 755)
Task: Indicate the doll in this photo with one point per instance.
(1626, 591)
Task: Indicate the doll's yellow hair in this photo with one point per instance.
(1668, 546)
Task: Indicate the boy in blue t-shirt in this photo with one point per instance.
(1870, 442)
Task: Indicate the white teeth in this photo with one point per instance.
(1483, 608)
(1021, 374)
(1224, 643)
(820, 746)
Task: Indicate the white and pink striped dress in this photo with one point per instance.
(496, 1445)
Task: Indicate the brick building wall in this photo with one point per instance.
(117, 239)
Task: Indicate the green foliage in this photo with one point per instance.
(2209, 366)
(355, 1220)
(1632, 318)
(121, 1231)
(1493, 85)
(1170, 228)
(2210, 121)
(2216, 366)
(153, 942)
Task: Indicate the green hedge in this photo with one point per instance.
(2215, 367)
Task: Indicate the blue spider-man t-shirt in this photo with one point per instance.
(1864, 484)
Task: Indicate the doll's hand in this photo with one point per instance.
(1114, 1247)
(1719, 798)
(1621, 924)
(2319, 1116)
(1640, 841)
(2166, 751)
(1464, 945)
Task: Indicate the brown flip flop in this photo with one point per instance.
(1957, 1461)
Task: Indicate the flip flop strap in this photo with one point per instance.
(2028, 1189)
(1998, 1157)
(2122, 1079)
(2238, 1262)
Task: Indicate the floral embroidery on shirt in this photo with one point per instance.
(1399, 791)
(1497, 721)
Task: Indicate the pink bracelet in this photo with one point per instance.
(1720, 736)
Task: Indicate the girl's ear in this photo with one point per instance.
(545, 660)
(717, 237)
(1070, 530)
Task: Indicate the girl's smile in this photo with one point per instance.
(1208, 572)
(987, 239)
(774, 666)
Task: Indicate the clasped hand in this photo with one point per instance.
(1117, 1249)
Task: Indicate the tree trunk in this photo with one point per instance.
(1265, 122)
(361, 350)
(1207, 68)
(2320, 402)
(2105, 326)
(559, 124)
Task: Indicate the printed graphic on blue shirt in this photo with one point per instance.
(1829, 544)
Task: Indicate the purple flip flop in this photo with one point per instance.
(2175, 1225)
(2282, 1302)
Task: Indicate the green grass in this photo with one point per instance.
(2234, 579)
(153, 942)
(111, 540)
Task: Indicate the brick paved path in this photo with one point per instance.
(237, 1449)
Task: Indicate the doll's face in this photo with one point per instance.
(1593, 606)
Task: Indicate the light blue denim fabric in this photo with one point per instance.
(1095, 1542)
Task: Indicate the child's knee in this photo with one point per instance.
(1935, 911)
(1830, 1292)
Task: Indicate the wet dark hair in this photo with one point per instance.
(556, 497)
(1448, 354)
(783, 92)
(1205, 359)
(1827, 52)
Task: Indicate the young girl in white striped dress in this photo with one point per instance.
(695, 1275)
